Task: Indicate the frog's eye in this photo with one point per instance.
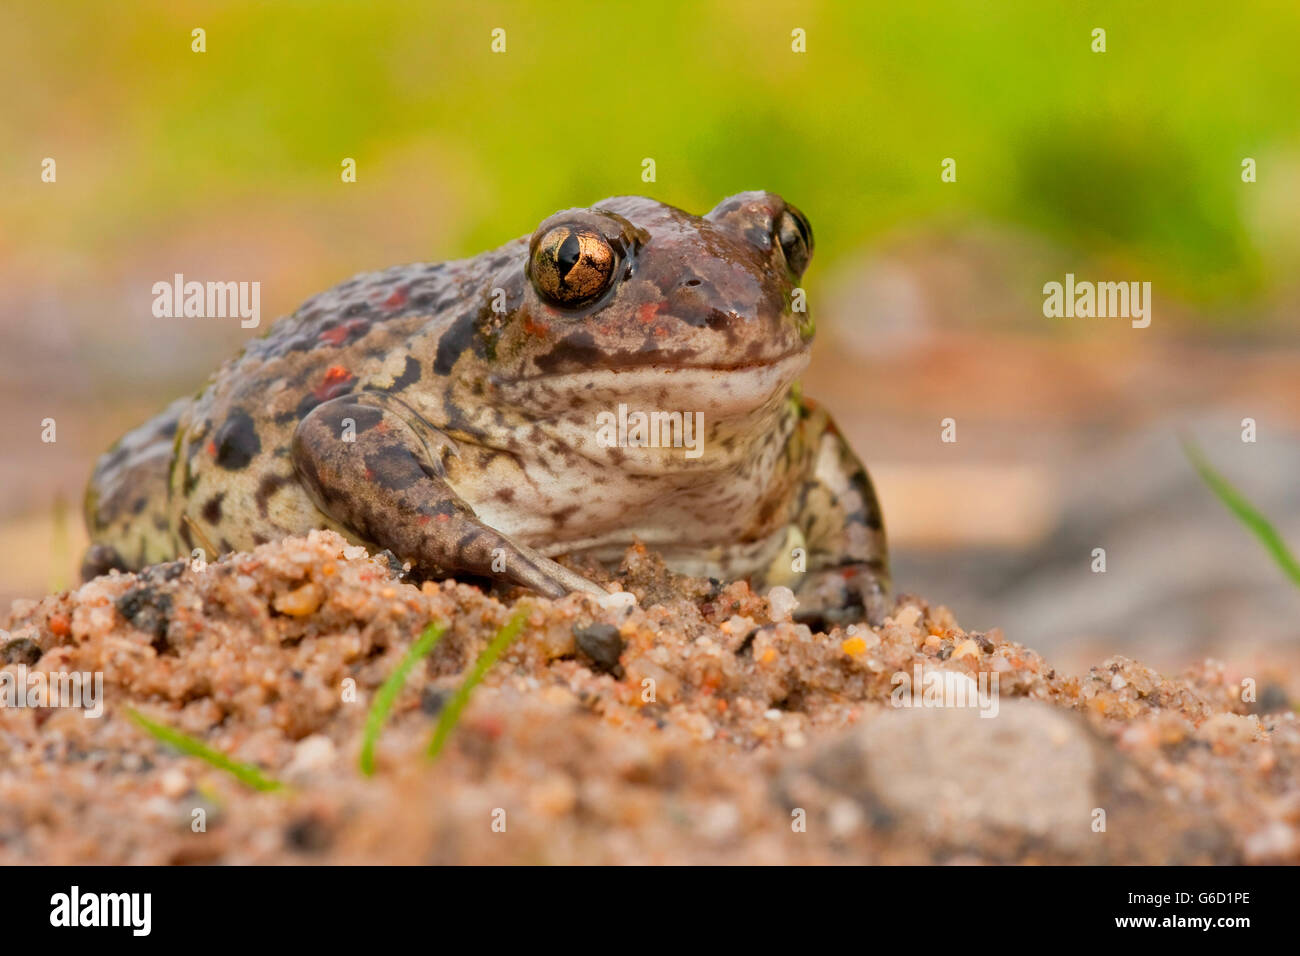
(572, 265)
(796, 238)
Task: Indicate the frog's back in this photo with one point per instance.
(214, 471)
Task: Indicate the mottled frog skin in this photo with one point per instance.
(447, 412)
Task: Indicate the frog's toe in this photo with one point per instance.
(844, 595)
(100, 559)
(549, 578)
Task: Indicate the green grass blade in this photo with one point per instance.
(245, 773)
(387, 695)
(451, 713)
(1244, 512)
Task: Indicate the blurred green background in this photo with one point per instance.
(1137, 149)
(226, 164)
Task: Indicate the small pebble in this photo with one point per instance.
(1272, 844)
(553, 796)
(720, 821)
(601, 643)
(300, 601)
(433, 699)
(314, 752)
(781, 602)
(20, 651)
(618, 600)
(174, 782)
(844, 817)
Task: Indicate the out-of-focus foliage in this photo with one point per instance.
(1134, 152)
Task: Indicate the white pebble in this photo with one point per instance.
(844, 817)
(720, 820)
(624, 600)
(781, 602)
(1274, 842)
(315, 752)
(174, 783)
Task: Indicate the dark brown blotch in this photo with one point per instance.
(410, 375)
(266, 489)
(236, 441)
(212, 508)
(393, 467)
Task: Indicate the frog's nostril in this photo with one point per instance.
(691, 282)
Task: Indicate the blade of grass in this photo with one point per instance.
(451, 713)
(387, 695)
(1244, 512)
(245, 773)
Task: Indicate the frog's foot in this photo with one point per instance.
(100, 559)
(848, 594)
(840, 520)
(374, 465)
(126, 500)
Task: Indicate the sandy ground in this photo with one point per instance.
(701, 725)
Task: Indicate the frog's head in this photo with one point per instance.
(632, 300)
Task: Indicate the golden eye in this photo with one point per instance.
(795, 235)
(572, 265)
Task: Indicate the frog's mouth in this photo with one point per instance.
(722, 390)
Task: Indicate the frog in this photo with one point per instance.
(451, 415)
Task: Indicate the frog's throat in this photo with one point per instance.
(686, 433)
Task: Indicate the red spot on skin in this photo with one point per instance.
(335, 382)
(340, 333)
(382, 427)
(424, 519)
(212, 448)
(396, 300)
(533, 327)
(648, 312)
(443, 519)
(370, 475)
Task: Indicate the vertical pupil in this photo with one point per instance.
(570, 252)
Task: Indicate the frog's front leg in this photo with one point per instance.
(840, 521)
(377, 475)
